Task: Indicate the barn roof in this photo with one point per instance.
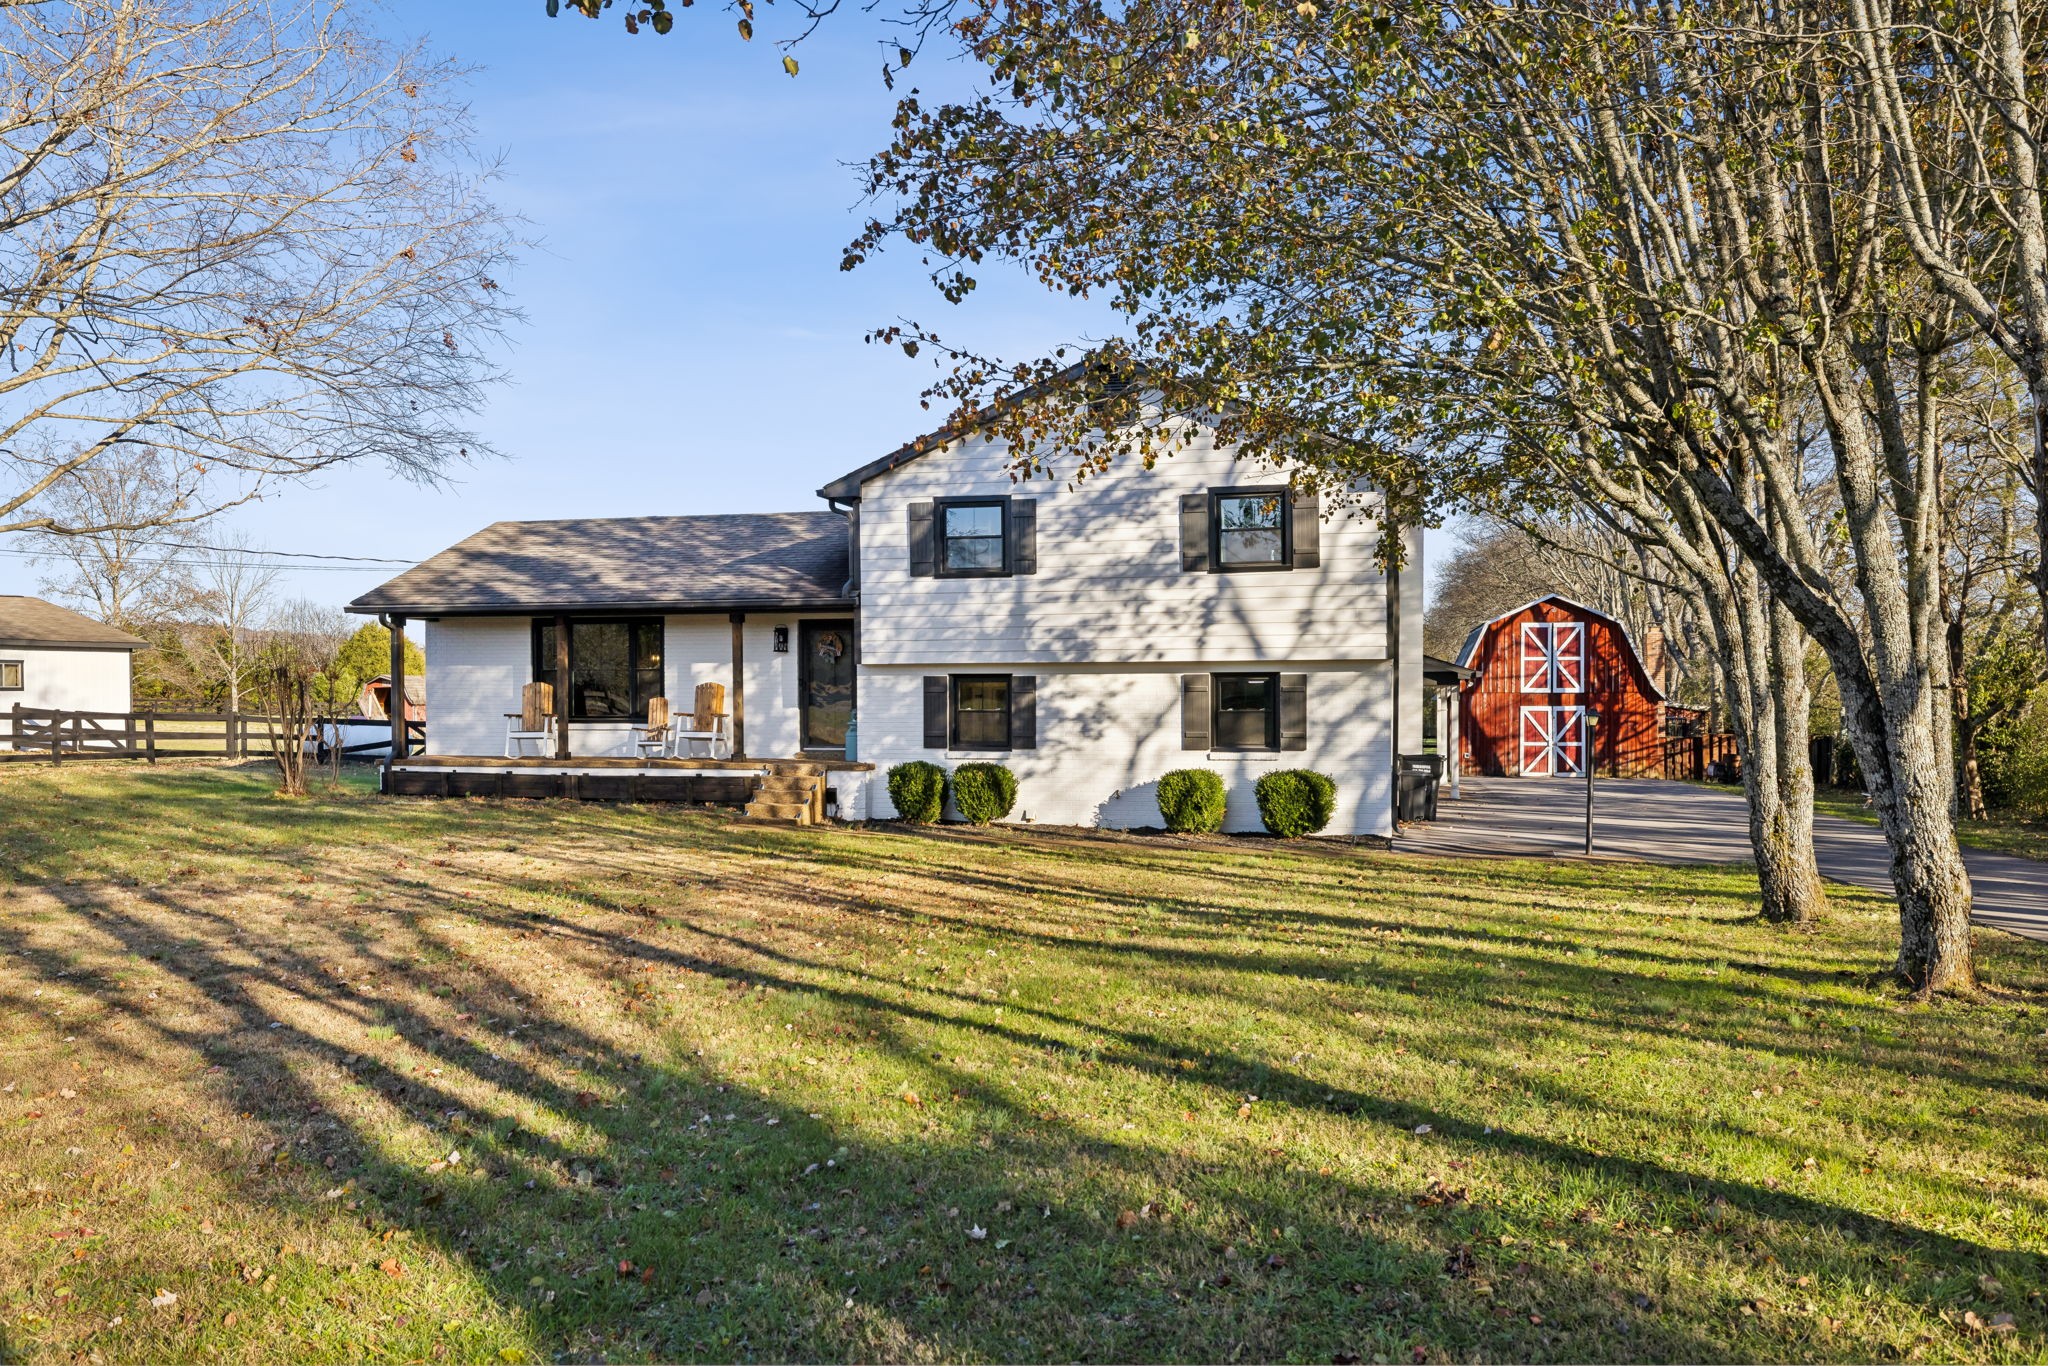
(1470, 649)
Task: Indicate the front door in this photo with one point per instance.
(825, 682)
(1553, 739)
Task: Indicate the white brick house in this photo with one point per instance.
(1199, 614)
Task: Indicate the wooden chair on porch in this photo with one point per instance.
(534, 721)
(706, 727)
(656, 741)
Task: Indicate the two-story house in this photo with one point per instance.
(1092, 637)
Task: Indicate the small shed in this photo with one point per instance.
(375, 700)
(55, 659)
(1536, 673)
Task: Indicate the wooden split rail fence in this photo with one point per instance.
(53, 736)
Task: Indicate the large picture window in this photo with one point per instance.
(614, 665)
(972, 537)
(981, 711)
(1251, 528)
(1247, 711)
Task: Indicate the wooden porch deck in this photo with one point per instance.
(775, 789)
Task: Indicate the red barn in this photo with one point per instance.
(1537, 670)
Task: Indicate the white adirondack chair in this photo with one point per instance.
(533, 723)
(707, 729)
(658, 740)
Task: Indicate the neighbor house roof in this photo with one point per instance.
(33, 624)
(752, 562)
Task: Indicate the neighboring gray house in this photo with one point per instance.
(1200, 614)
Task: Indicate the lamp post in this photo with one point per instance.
(1586, 758)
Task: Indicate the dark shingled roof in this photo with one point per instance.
(752, 562)
(31, 623)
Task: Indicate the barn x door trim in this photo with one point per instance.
(1553, 742)
(1553, 656)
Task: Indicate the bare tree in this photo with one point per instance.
(234, 593)
(127, 570)
(244, 235)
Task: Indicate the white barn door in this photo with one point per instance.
(1553, 741)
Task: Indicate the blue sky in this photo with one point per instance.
(691, 344)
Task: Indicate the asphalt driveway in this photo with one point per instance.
(1666, 822)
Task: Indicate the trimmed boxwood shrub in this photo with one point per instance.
(984, 792)
(1191, 801)
(1296, 801)
(919, 791)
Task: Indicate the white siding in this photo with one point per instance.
(70, 680)
(1109, 586)
(1106, 735)
(479, 664)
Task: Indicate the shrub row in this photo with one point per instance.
(985, 793)
(1292, 801)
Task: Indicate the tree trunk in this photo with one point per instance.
(1899, 759)
(2039, 392)
(1970, 776)
(1797, 895)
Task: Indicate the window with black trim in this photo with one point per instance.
(1249, 528)
(1247, 711)
(10, 675)
(981, 711)
(973, 536)
(614, 665)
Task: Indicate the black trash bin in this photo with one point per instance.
(1421, 775)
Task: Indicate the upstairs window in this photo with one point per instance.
(1553, 656)
(971, 537)
(10, 675)
(1251, 528)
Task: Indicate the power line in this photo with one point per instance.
(355, 568)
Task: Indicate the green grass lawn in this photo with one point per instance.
(2000, 834)
(350, 1078)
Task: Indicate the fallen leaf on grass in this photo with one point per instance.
(390, 1267)
(1127, 1218)
(163, 1299)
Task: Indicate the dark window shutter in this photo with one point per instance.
(935, 728)
(1024, 711)
(924, 551)
(1023, 535)
(1294, 711)
(1194, 532)
(1308, 530)
(1194, 711)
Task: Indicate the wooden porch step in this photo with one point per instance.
(795, 813)
(787, 794)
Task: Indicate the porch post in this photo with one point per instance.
(562, 686)
(1456, 705)
(739, 685)
(394, 706)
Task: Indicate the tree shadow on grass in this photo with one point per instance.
(764, 1207)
